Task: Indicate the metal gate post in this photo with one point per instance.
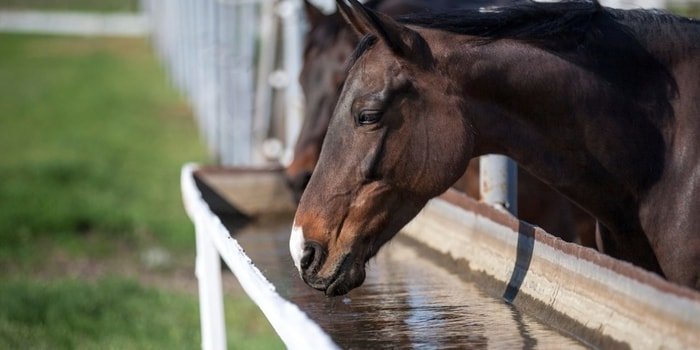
(498, 182)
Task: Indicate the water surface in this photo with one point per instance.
(407, 301)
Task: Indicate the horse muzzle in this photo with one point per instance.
(347, 275)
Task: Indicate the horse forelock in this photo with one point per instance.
(365, 44)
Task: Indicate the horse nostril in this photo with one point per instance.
(307, 258)
(312, 256)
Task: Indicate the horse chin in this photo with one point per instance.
(349, 275)
(346, 281)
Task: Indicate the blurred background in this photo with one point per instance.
(99, 109)
(96, 250)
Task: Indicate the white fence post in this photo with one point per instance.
(242, 77)
(211, 301)
(209, 48)
(269, 23)
(290, 11)
(214, 242)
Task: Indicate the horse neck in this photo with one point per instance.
(667, 37)
(562, 123)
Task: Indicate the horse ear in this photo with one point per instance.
(356, 23)
(401, 40)
(313, 14)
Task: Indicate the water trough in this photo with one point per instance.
(440, 283)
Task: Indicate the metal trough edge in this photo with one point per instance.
(561, 282)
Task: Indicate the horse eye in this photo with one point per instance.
(369, 117)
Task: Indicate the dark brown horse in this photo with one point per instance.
(328, 43)
(601, 104)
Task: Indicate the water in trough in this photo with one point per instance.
(407, 301)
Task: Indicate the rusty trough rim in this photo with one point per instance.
(618, 266)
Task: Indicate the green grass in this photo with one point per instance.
(92, 141)
(114, 314)
(689, 10)
(74, 5)
(91, 144)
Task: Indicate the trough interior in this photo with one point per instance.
(413, 295)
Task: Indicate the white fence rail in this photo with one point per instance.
(214, 242)
(73, 23)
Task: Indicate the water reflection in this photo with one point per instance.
(406, 301)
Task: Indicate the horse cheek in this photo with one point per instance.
(450, 151)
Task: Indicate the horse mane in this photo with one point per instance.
(603, 40)
(532, 21)
(527, 20)
(629, 49)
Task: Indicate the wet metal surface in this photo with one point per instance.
(407, 301)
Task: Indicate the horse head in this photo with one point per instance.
(397, 138)
(328, 43)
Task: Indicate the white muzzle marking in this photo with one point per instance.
(296, 245)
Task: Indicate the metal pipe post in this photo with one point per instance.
(498, 182)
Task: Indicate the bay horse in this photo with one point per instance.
(328, 43)
(601, 104)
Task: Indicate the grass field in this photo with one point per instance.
(92, 140)
(690, 10)
(73, 5)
